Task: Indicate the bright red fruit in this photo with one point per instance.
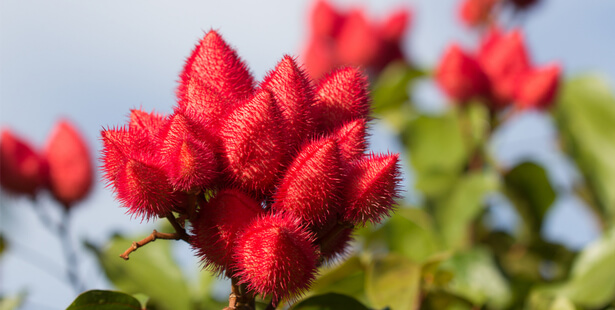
(218, 223)
(294, 95)
(311, 187)
(70, 166)
(460, 75)
(372, 184)
(505, 60)
(351, 139)
(325, 20)
(341, 96)
(476, 12)
(214, 64)
(255, 148)
(276, 256)
(358, 42)
(22, 169)
(538, 88)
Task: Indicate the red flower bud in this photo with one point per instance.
(22, 169)
(371, 186)
(218, 223)
(294, 95)
(254, 146)
(188, 155)
(476, 12)
(276, 256)
(351, 139)
(70, 166)
(538, 88)
(215, 64)
(460, 76)
(342, 96)
(311, 186)
(504, 59)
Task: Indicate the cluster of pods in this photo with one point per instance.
(269, 178)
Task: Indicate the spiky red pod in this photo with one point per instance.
(276, 256)
(71, 172)
(460, 76)
(319, 56)
(358, 43)
(311, 186)
(22, 169)
(214, 63)
(351, 139)
(188, 155)
(132, 166)
(294, 94)
(476, 12)
(217, 225)
(254, 147)
(372, 184)
(341, 96)
(505, 60)
(325, 20)
(151, 122)
(336, 243)
(538, 88)
(200, 101)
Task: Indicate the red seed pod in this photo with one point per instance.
(254, 147)
(538, 88)
(201, 101)
(70, 167)
(311, 186)
(351, 140)
(460, 76)
(371, 186)
(335, 242)
(319, 56)
(218, 223)
(150, 122)
(215, 64)
(358, 43)
(22, 169)
(341, 96)
(276, 256)
(294, 95)
(188, 155)
(476, 12)
(395, 25)
(504, 60)
(325, 20)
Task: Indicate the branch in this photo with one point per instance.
(179, 230)
(151, 238)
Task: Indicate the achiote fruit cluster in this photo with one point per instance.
(271, 176)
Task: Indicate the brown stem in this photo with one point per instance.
(179, 230)
(239, 299)
(151, 238)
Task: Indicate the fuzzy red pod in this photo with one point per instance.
(538, 88)
(294, 95)
(325, 20)
(217, 225)
(336, 244)
(351, 139)
(460, 76)
(150, 122)
(22, 169)
(395, 25)
(341, 96)
(71, 172)
(254, 147)
(505, 60)
(358, 43)
(132, 166)
(276, 256)
(476, 12)
(319, 56)
(215, 64)
(372, 184)
(201, 102)
(188, 155)
(310, 188)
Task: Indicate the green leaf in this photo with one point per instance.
(151, 270)
(393, 281)
(592, 280)
(437, 151)
(477, 278)
(105, 300)
(528, 187)
(455, 215)
(585, 115)
(390, 90)
(331, 301)
(347, 278)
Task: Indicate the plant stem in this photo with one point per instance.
(151, 238)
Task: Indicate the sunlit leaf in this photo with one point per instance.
(391, 88)
(331, 301)
(393, 281)
(105, 300)
(347, 278)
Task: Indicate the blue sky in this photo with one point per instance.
(91, 61)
